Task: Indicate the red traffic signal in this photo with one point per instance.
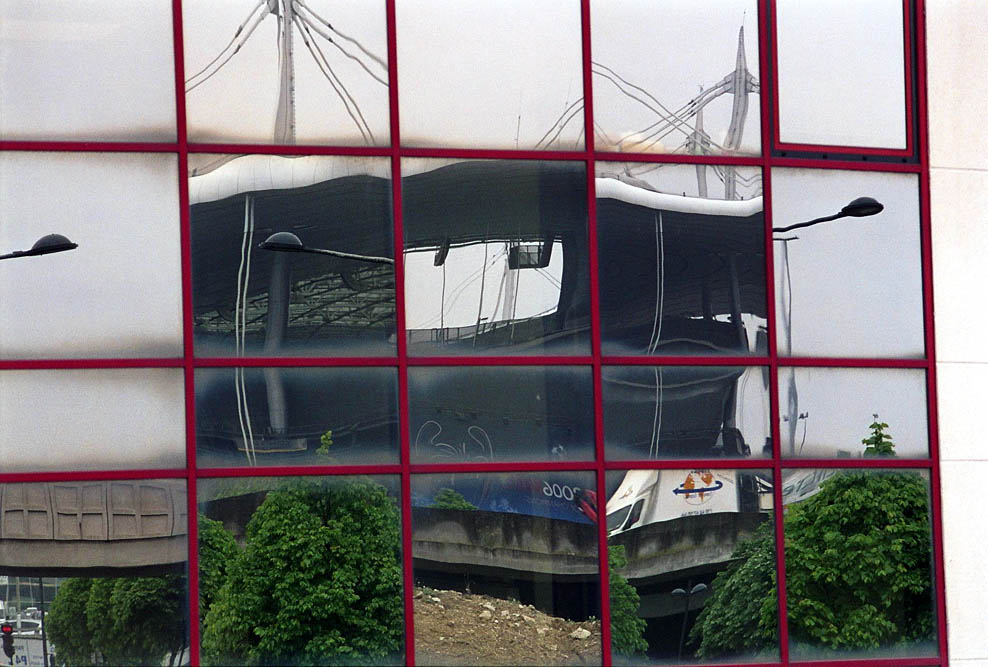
(6, 628)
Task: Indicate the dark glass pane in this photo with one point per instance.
(827, 412)
(254, 301)
(517, 413)
(300, 571)
(689, 83)
(296, 416)
(662, 412)
(692, 566)
(496, 257)
(682, 261)
(506, 569)
(850, 287)
(95, 572)
(859, 564)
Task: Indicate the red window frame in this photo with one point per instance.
(914, 159)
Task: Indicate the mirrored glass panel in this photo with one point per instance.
(287, 71)
(119, 294)
(93, 419)
(495, 257)
(841, 80)
(676, 77)
(506, 569)
(292, 255)
(848, 271)
(659, 412)
(509, 74)
(93, 69)
(300, 571)
(853, 412)
(460, 414)
(692, 566)
(859, 564)
(95, 572)
(681, 253)
(296, 416)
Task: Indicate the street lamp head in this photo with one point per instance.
(283, 242)
(49, 244)
(862, 207)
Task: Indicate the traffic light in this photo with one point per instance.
(8, 639)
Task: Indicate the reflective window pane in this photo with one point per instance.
(692, 566)
(841, 80)
(827, 412)
(487, 414)
(94, 419)
(92, 69)
(859, 564)
(287, 72)
(507, 556)
(296, 416)
(496, 257)
(689, 83)
(109, 557)
(510, 74)
(685, 412)
(850, 287)
(323, 286)
(338, 540)
(682, 259)
(119, 294)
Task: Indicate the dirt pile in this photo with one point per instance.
(461, 628)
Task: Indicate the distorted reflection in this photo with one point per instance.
(287, 71)
(703, 100)
(250, 300)
(859, 557)
(107, 556)
(685, 412)
(496, 257)
(507, 569)
(487, 414)
(296, 416)
(337, 540)
(682, 259)
(692, 561)
(850, 286)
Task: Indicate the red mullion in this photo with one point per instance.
(658, 360)
(91, 146)
(500, 361)
(862, 463)
(679, 158)
(846, 165)
(852, 362)
(926, 235)
(187, 337)
(293, 362)
(92, 475)
(689, 464)
(766, 20)
(595, 345)
(860, 150)
(301, 471)
(100, 363)
(285, 149)
(492, 154)
(502, 466)
(408, 572)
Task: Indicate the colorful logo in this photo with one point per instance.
(698, 487)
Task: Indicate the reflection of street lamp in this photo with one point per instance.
(678, 593)
(46, 245)
(859, 208)
(288, 242)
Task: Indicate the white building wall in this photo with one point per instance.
(957, 60)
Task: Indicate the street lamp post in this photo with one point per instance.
(46, 245)
(858, 208)
(679, 593)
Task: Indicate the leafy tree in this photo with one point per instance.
(451, 499)
(217, 549)
(879, 443)
(66, 625)
(627, 628)
(319, 581)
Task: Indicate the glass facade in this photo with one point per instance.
(575, 332)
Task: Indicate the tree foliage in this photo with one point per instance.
(879, 443)
(627, 628)
(217, 549)
(318, 582)
(451, 499)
